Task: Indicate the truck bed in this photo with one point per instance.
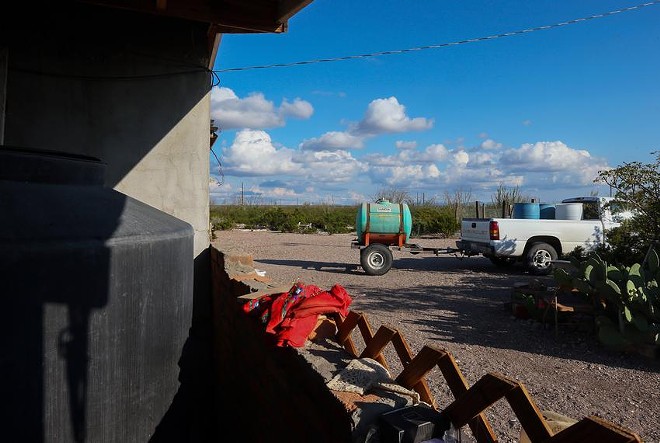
(515, 234)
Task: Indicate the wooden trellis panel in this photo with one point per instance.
(470, 401)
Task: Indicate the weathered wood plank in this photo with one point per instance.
(489, 389)
(402, 349)
(530, 417)
(344, 329)
(379, 341)
(368, 335)
(458, 385)
(594, 429)
(420, 365)
(405, 356)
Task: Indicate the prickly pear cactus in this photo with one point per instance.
(630, 296)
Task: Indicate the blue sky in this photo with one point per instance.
(542, 110)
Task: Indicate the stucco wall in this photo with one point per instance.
(130, 89)
(173, 176)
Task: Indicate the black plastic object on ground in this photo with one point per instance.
(412, 424)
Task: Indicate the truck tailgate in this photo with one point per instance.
(475, 229)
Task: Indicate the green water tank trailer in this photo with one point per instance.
(384, 222)
(380, 226)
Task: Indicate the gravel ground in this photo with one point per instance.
(460, 304)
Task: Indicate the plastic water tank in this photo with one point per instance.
(568, 211)
(97, 303)
(547, 211)
(384, 220)
(526, 210)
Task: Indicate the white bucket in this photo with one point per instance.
(568, 211)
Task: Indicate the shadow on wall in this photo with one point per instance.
(102, 82)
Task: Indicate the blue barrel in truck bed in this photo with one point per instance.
(383, 222)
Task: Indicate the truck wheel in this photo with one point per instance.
(502, 262)
(538, 258)
(376, 259)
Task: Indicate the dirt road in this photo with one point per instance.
(461, 305)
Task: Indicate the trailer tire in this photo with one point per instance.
(376, 259)
(539, 258)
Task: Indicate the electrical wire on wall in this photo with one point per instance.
(215, 78)
(214, 136)
(221, 174)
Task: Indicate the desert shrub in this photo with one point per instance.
(277, 218)
(433, 219)
(222, 223)
(305, 218)
(334, 219)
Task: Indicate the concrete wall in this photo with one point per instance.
(176, 170)
(130, 89)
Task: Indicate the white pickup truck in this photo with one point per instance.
(537, 242)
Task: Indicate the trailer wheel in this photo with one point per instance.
(376, 259)
(502, 262)
(538, 258)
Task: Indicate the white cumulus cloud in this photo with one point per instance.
(298, 108)
(387, 115)
(460, 158)
(430, 155)
(536, 167)
(400, 144)
(254, 111)
(331, 141)
(489, 144)
(406, 176)
(546, 156)
(434, 153)
(252, 153)
(483, 159)
(323, 167)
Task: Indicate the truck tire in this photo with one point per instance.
(502, 262)
(376, 259)
(538, 258)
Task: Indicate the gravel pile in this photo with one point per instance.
(462, 305)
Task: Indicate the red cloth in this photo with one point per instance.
(291, 316)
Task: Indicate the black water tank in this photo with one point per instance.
(96, 290)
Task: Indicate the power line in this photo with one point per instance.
(441, 45)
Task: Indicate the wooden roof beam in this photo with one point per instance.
(230, 16)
